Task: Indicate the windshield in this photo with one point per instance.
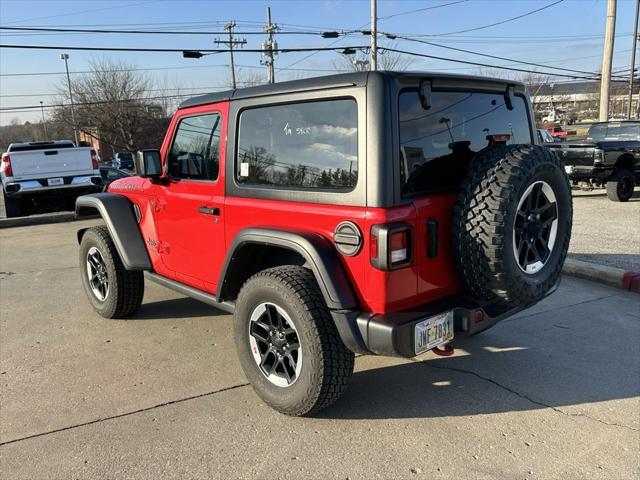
(436, 145)
(614, 131)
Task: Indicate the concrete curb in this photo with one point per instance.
(42, 219)
(611, 276)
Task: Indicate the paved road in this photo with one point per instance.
(606, 232)
(552, 393)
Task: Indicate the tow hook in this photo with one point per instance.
(446, 351)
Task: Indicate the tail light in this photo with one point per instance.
(94, 159)
(391, 246)
(499, 138)
(6, 165)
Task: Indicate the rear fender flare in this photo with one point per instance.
(317, 252)
(119, 216)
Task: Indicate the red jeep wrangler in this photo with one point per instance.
(372, 212)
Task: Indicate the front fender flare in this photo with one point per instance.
(117, 212)
(315, 249)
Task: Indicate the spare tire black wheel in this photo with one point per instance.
(620, 186)
(512, 224)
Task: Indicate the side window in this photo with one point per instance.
(195, 153)
(311, 145)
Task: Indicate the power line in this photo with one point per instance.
(177, 50)
(98, 102)
(369, 23)
(312, 54)
(223, 65)
(422, 9)
(147, 32)
(503, 21)
(488, 65)
(471, 52)
(83, 11)
(176, 89)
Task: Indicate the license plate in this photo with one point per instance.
(433, 332)
(55, 181)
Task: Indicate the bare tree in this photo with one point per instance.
(359, 62)
(250, 78)
(112, 102)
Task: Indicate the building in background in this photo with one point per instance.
(572, 102)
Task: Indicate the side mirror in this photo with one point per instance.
(148, 164)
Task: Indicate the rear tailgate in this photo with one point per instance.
(52, 162)
(575, 153)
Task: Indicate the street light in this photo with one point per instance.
(44, 121)
(65, 57)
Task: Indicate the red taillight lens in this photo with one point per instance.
(399, 247)
(6, 166)
(94, 159)
(391, 246)
(373, 249)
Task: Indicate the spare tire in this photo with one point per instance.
(512, 224)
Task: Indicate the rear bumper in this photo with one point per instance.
(588, 172)
(394, 333)
(40, 187)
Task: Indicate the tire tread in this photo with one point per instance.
(480, 214)
(129, 284)
(336, 360)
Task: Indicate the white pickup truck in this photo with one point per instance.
(40, 175)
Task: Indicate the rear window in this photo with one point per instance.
(39, 146)
(311, 145)
(614, 131)
(436, 145)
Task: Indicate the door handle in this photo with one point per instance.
(209, 210)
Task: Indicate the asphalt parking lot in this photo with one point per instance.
(551, 393)
(606, 232)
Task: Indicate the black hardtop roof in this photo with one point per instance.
(354, 79)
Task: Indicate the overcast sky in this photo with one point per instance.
(568, 35)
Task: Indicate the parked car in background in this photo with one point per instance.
(109, 174)
(544, 136)
(39, 176)
(551, 117)
(560, 133)
(122, 160)
(609, 156)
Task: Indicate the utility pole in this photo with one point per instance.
(44, 121)
(232, 42)
(607, 59)
(65, 57)
(634, 46)
(268, 48)
(374, 35)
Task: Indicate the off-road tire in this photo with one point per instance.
(126, 288)
(327, 365)
(12, 206)
(484, 217)
(620, 186)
